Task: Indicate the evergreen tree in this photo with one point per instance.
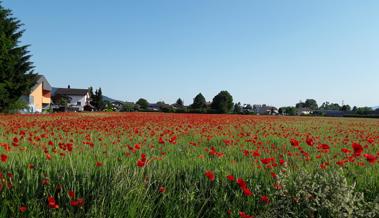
(100, 101)
(179, 103)
(90, 91)
(16, 69)
(97, 99)
(222, 102)
(237, 108)
(199, 102)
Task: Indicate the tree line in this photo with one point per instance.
(312, 105)
(222, 103)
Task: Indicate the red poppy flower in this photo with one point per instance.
(173, 140)
(294, 143)
(265, 199)
(77, 203)
(358, 149)
(162, 189)
(71, 194)
(241, 183)
(45, 181)
(161, 140)
(81, 201)
(323, 146)
(230, 178)
(99, 164)
(137, 146)
(370, 158)
(143, 157)
(141, 163)
(244, 215)
(256, 154)
(48, 156)
(210, 175)
(309, 141)
(4, 158)
(267, 160)
(247, 192)
(23, 208)
(52, 203)
(274, 175)
(15, 140)
(345, 150)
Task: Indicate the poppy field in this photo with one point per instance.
(187, 165)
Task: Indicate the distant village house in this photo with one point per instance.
(79, 99)
(39, 97)
(265, 109)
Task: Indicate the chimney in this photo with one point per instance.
(68, 87)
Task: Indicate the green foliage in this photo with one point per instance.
(291, 111)
(97, 99)
(16, 69)
(223, 102)
(199, 103)
(300, 105)
(330, 106)
(320, 194)
(345, 108)
(109, 107)
(120, 189)
(179, 103)
(127, 107)
(237, 108)
(364, 110)
(15, 107)
(61, 100)
(165, 107)
(143, 103)
(309, 103)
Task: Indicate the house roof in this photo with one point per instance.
(70, 91)
(45, 83)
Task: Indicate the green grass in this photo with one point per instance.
(121, 189)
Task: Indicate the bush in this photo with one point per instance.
(320, 194)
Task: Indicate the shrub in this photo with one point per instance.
(320, 194)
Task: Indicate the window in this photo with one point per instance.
(78, 103)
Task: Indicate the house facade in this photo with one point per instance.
(265, 109)
(304, 111)
(78, 98)
(40, 96)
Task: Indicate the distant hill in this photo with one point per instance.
(105, 98)
(377, 107)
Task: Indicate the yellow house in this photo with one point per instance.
(40, 95)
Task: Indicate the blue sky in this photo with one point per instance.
(273, 51)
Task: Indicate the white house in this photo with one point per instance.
(304, 111)
(78, 97)
(265, 109)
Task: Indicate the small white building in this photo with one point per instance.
(78, 97)
(304, 111)
(265, 109)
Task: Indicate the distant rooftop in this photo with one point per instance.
(70, 91)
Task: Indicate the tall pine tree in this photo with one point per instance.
(16, 69)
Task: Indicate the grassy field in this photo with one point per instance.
(183, 165)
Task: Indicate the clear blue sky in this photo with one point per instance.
(273, 52)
